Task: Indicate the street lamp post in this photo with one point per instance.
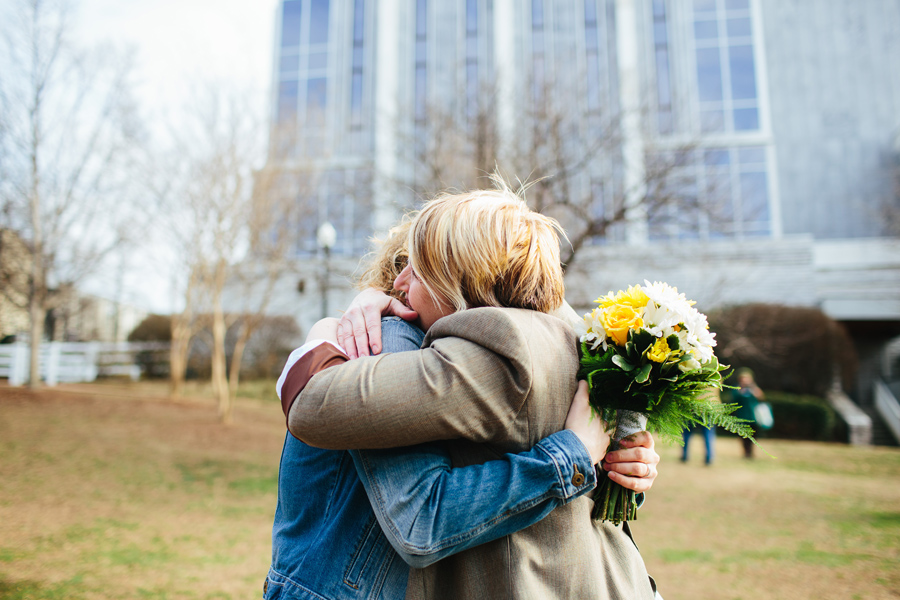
(326, 237)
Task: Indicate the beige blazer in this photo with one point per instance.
(492, 381)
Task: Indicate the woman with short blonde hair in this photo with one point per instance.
(494, 375)
(488, 248)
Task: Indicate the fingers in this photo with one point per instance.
(637, 470)
(579, 415)
(635, 455)
(359, 329)
(398, 309)
(641, 438)
(353, 333)
(580, 406)
(638, 484)
(633, 466)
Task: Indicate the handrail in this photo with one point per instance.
(888, 407)
(858, 422)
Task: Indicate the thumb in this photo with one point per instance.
(398, 309)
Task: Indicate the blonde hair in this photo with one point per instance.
(487, 248)
(389, 258)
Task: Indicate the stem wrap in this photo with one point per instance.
(612, 502)
(627, 423)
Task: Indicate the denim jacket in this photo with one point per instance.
(327, 543)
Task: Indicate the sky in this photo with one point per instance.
(175, 42)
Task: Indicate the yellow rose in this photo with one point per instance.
(618, 319)
(660, 351)
(634, 296)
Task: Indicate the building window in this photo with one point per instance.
(342, 197)
(472, 58)
(726, 69)
(592, 55)
(356, 73)
(290, 23)
(538, 50)
(663, 70)
(718, 192)
(421, 91)
(303, 70)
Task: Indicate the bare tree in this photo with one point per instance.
(216, 208)
(572, 161)
(68, 128)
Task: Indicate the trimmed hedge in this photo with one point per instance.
(800, 418)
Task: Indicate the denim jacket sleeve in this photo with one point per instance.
(429, 510)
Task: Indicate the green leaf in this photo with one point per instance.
(644, 374)
(642, 339)
(622, 363)
(673, 342)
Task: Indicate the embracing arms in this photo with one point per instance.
(471, 381)
(429, 510)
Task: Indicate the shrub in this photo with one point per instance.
(790, 348)
(154, 328)
(801, 417)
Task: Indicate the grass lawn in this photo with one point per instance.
(116, 493)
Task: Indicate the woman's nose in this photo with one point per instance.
(401, 283)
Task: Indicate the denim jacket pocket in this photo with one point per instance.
(371, 558)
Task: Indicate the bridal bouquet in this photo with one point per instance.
(647, 355)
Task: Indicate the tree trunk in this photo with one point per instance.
(219, 377)
(38, 290)
(182, 332)
(178, 352)
(37, 315)
(236, 358)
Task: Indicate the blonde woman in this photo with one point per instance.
(495, 375)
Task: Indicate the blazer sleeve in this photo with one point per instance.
(470, 382)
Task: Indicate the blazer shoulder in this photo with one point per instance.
(503, 330)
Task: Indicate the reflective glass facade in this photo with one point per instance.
(725, 65)
(699, 80)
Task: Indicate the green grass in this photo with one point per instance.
(106, 497)
(116, 498)
(820, 521)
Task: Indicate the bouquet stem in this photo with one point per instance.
(612, 502)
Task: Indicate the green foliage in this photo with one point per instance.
(790, 348)
(801, 417)
(671, 399)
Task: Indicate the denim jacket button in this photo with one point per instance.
(577, 478)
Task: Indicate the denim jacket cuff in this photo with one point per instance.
(575, 471)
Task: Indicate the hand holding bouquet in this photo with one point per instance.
(647, 355)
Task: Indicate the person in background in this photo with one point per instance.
(746, 396)
(709, 436)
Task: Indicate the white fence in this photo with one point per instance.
(72, 362)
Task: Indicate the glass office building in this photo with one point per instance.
(784, 116)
